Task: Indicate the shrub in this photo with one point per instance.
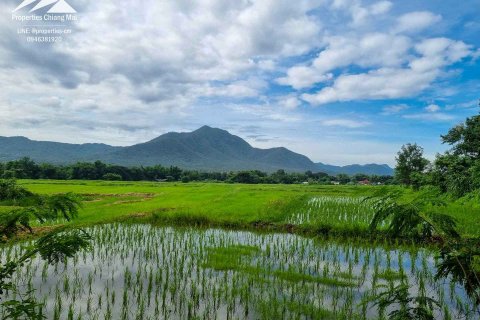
(112, 177)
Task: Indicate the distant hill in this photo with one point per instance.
(207, 148)
(12, 148)
(370, 169)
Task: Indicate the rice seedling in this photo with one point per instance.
(333, 210)
(147, 272)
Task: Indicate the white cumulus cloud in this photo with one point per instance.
(416, 21)
(395, 82)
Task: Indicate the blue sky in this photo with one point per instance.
(341, 81)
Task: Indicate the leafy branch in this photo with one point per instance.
(57, 245)
(418, 217)
(409, 307)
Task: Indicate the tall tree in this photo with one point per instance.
(465, 138)
(458, 170)
(410, 164)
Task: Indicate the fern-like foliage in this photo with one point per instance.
(460, 260)
(15, 221)
(26, 308)
(47, 208)
(404, 306)
(53, 247)
(62, 244)
(64, 206)
(417, 217)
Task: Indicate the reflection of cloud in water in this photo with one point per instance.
(140, 270)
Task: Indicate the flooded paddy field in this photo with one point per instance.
(146, 272)
(334, 210)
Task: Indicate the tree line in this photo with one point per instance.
(26, 168)
(456, 172)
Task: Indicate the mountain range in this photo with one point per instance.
(206, 148)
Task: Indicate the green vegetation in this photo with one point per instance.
(303, 208)
(238, 258)
(26, 168)
(456, 172)
(214, 203)
(139, 271)
(55, 246)
(459, 256)
(418, 307)
(337, 275)
(410, 165)
(417, 218)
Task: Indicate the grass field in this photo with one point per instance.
(315, 208)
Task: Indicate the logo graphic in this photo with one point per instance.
(60, 6)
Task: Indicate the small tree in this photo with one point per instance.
(410, 164)
(343, 178)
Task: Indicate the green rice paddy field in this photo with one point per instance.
(206, 257)
(338, 209)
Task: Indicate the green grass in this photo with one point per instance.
(390, 275)
(236, 203)
(241, 259)
(273, 310)
(333, 210)
(230, 258)
(293, 276)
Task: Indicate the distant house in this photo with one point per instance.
(161, 180)
(335, 182)
(364, 182)
(305, 182)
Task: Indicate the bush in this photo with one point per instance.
(9, 190)
(112, 177)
